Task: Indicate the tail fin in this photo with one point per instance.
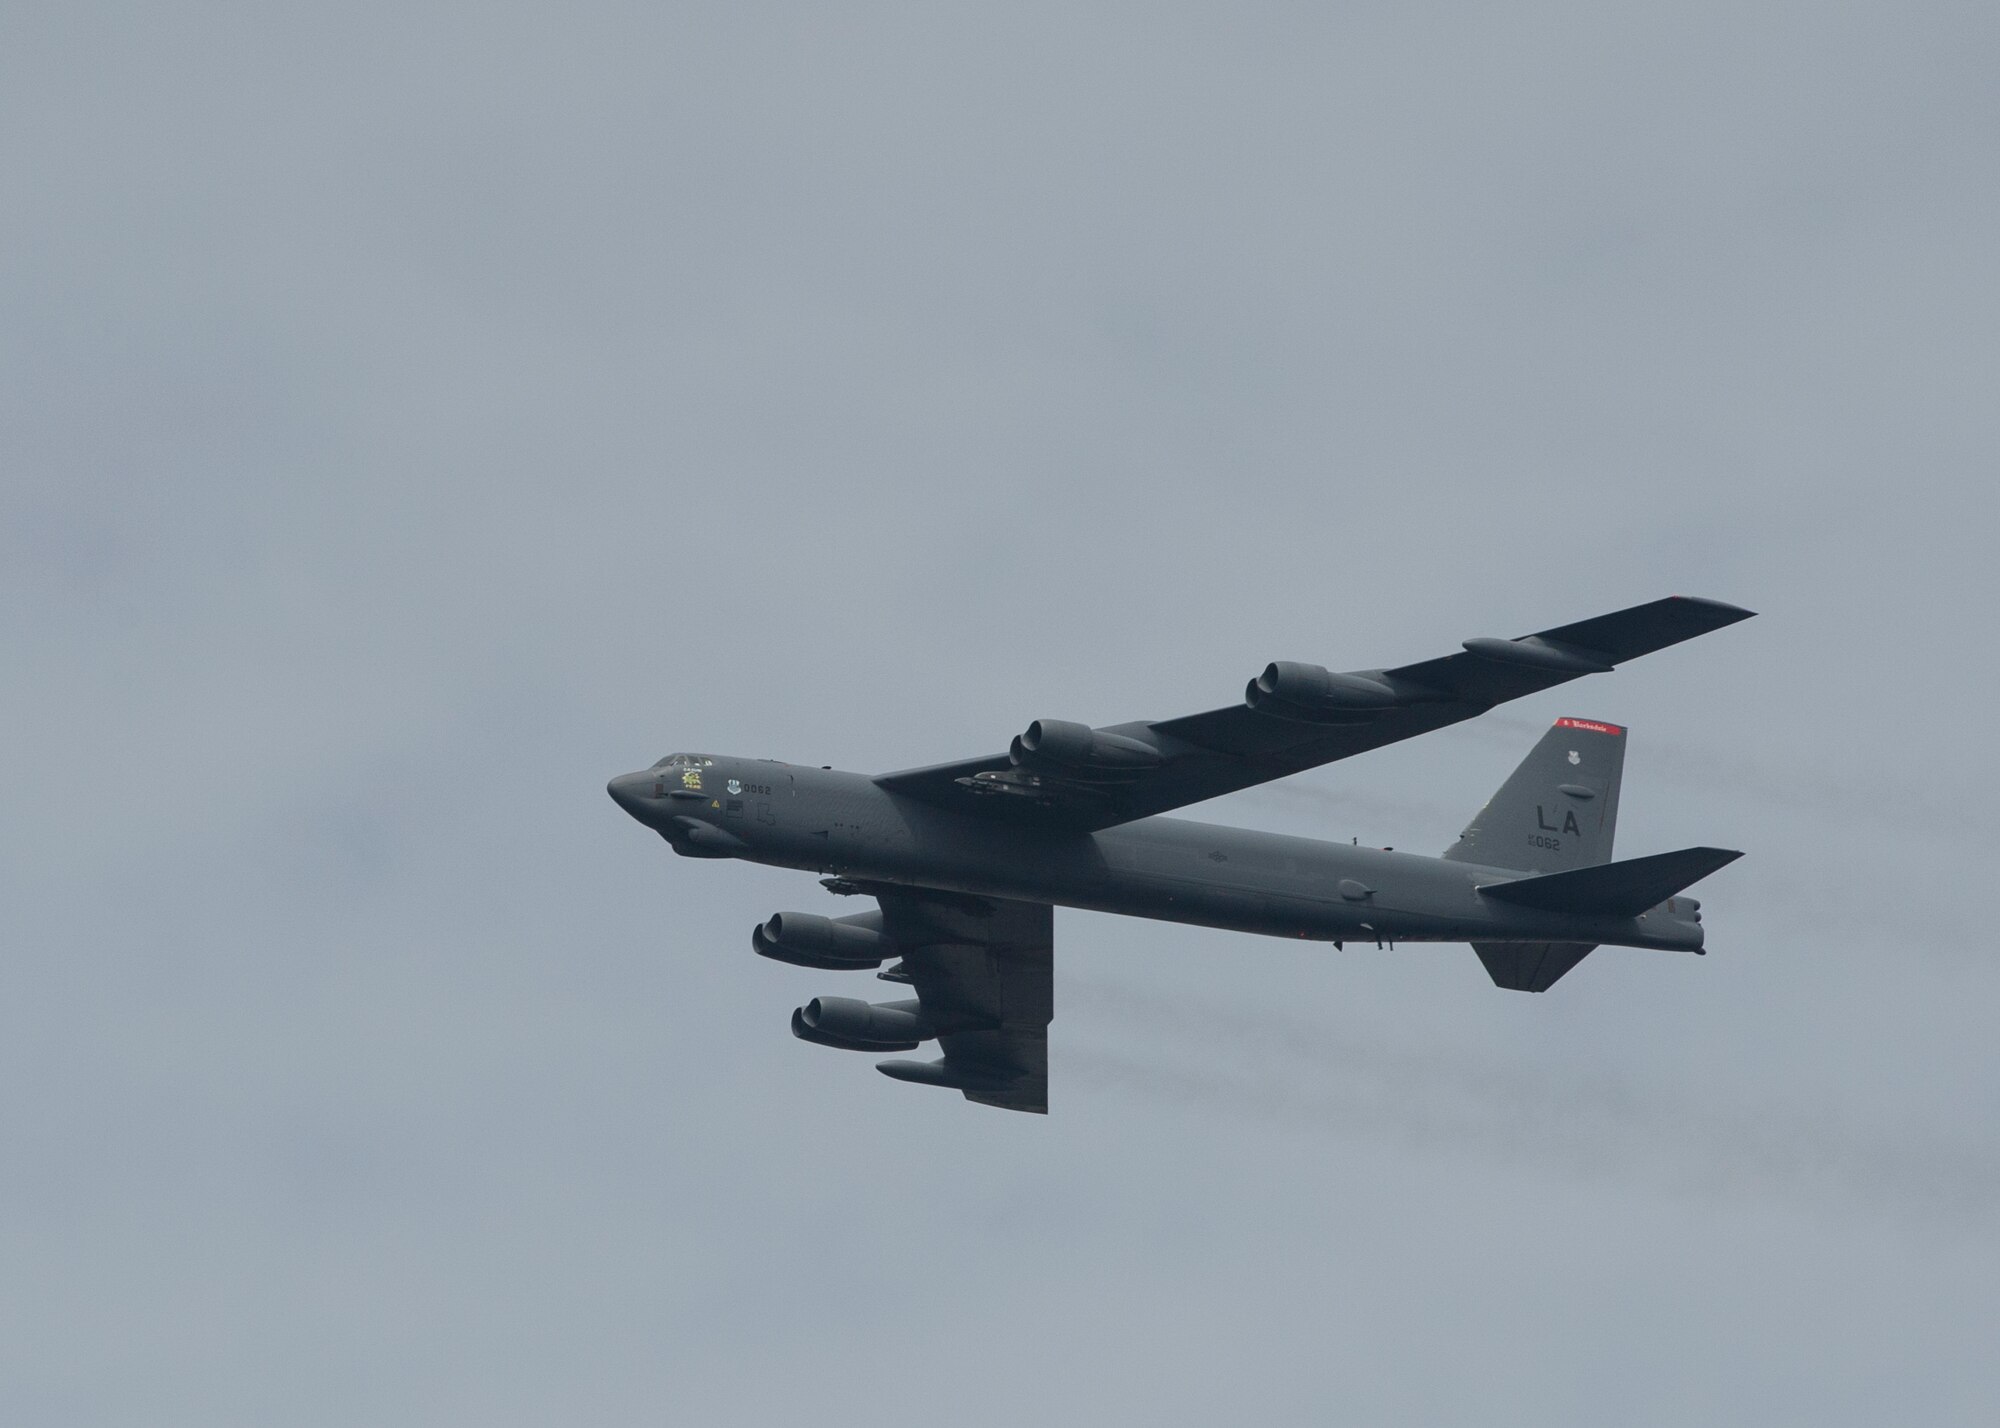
(1560, 808)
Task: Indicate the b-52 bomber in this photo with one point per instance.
(966, 861)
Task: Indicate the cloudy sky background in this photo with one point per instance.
(410, 419)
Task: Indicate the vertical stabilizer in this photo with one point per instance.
(1560, 808)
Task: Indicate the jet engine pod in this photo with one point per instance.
(855, 1025)
(1317, 695)
(1077, 750)
(829, 943)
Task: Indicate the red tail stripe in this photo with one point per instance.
(1591, 724)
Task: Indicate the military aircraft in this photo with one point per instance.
(966, 861)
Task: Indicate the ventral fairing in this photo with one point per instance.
(966, 861)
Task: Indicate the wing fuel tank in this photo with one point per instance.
(943, 1073)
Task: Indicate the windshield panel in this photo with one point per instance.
(684, 761)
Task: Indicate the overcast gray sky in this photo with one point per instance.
(411, 418)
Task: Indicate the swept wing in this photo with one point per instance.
(983, 970)
(1293, 717)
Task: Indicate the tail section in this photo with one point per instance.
(1625, 889)
(1614, 889)
(1530, 966)
(1559, 809)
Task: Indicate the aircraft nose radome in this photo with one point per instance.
(624, 791)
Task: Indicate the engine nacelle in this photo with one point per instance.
(1061, 747)
(1317, 695)
(829, 943)
(862, 1026)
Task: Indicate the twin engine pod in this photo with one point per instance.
(829, 943)
(1069, 750)
(1317, 695)
(843, 944)
(1314, 694)
(855, 1025)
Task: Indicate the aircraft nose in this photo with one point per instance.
(626, 791)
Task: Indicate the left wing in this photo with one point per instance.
(1293, 717)
(984, 973)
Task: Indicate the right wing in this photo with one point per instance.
(1294, 717)
(983, 970)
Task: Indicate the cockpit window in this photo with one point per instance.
(684, 761)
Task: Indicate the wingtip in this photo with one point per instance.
(1720, 607)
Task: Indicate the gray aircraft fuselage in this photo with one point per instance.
(1172, 869)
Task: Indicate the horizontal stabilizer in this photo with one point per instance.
(1623, 889)
(1530, 966)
